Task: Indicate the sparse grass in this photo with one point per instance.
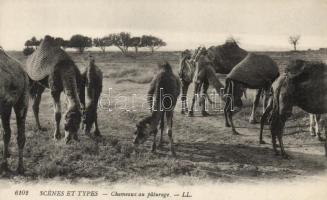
(123, 73)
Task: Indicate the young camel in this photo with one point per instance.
(186, 75)
(305, 88)
(93, 78)
(163, 93)
(13, 94)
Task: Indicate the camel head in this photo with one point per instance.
(200, 51)
(91, 60)
(143, 131)
(72, 124)
(186, 54)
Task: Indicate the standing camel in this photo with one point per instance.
(254, 72)
(186, 74)
(51, 67)
(93, 82)
(162, 97)
(13, 94)
(218, 59)
(304, 84)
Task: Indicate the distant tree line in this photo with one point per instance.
(123, 41)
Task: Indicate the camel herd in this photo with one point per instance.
(302, 84)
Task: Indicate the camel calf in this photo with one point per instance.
(93, 82)
(165, 87)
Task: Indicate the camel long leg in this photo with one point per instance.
(162, 128)
(263, 120)
(36, 106)
(277, 127)
(280, 138)
(312, 125)
(255, 105)
(317, 121)
(205, 87)
(205, 91)
(97, 131)
(185, 86)
(57, 111)
(21, 111)
(154, 144)
(325, 125)
(266, 97)
(230, 118)
(273, 141)
(5, 118)
(169, 116)
(197, 88)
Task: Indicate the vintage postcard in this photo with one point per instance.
(163, 99)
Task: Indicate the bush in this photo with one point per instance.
(28, 51)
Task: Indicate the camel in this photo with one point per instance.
(304, 84)
(92, 77)
(14, 85)
(186, 73)
(51, 67)
(254, 72)
(218, 59)
(162, 97)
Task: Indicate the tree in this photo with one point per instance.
(135, 42)
(33, 42)
(152, 42)
(294, 40)
(102, 43)
(120, 40)
(80, 42)
(62, 42)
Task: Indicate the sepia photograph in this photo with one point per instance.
(163, 99)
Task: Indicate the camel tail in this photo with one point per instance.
(33, 88)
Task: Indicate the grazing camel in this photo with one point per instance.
(254, 72)
(13, 94)
(304, 84)
(93, 78)
(218, 59)
(51, 67)
(186, 74)
(163, 93)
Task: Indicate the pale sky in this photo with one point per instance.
(258, 24)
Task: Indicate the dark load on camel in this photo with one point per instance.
(255, 71)
(43, 61)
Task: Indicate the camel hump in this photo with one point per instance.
(255, 71)
(44, 59)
